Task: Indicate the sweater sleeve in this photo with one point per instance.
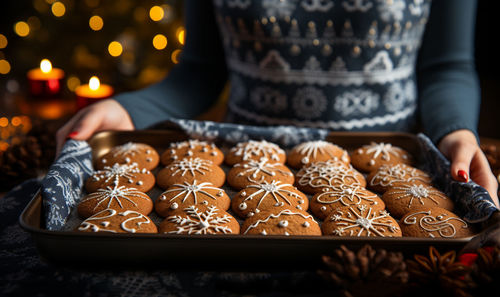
(194, 84)
(449, 95)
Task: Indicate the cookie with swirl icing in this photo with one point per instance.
(116, 197)
(268, 196)
(341, 195)
(131, 152)
(192, 149)
(401, 198)
(129, 175)
(319, 175)
(199, 219)
(255, 150)
(256, 172)
(434, 222)
(117, 221)
(309, 152)
(281, 222)
(180, 196)
(370, 157)
(387, 175)
(189, 170)
(360, 221)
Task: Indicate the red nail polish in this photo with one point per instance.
(462, 175)
(72, 134)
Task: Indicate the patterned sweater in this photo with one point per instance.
(371, 65)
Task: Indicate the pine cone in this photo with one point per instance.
(486, 271)
(368, 272)
(439, 275)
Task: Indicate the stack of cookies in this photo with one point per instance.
(257, 188)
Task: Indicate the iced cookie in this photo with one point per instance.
(434, 222)
(281, 222)
(387, 175)
(360, 220)
(268, 196)
(114, 221)
(143, 154)
(180, 196)
(189, 170)
(128, 175)
(315, 151)
(192, 149)
(341, 195)
(256, 172)
(254, 151)
(116, 197)
(370, 157)
(199, 219)
(401, 198)
(317, 176)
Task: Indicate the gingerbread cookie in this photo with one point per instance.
(128, 175)
(281, 222)
(256, 172)
(360, 220)
(313, 178)
(341, 195)
(268, 196)
(189, 170)
(255, 150)
(434, 222)
(401, 198)
(180, 196)
(316, 151)
(370, 157)
(117, 197)
(192, 149)
(143, 154)
(199, 219)
(114, 221)
(386, 175)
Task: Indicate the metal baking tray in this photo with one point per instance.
(237, 251)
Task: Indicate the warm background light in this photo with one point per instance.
(3, 41)
(115, 49)
(181, 35)
(175, 56)
(45, 66)
(156, 13)
(4, 67)
(160, 41)
(72, 82)
(22, 29)
(58, 9)
(94, 83)
(96, 23)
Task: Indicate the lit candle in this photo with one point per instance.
(45, 81)
(92, 92)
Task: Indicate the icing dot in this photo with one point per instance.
(204, 225)
(213, 153)
(162, 197)
(263, 232)
(243, 194)
(130, 181)
(149, 160)
(242, 206)
(306, 224)
(323, 208)
(298, 207)
(372, 162)
(127, 159)
(104, 161)
(205, 202)
(174, 206)
(148, 151)
(283, 224)
(105, 224)
(305, 160)
(257, 210)
(220, 193)
(286, 233)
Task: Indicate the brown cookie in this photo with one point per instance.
(131, 152)
(199, 219)
(268, 196)
(117, 197)
(180, 196)
(338, 196)
(360, 220)
(189, 170)
(401, 198)
(370, 157)
(315, 151)
(313, 178)
(114, 221)
(434, 222)
(256, 172)
(128, 175)
(386, 175)
(281, 222)
(192, 149)
(255, 150)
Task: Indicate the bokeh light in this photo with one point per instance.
(96, 23)
(159, 41)
(22, 29)
(72, 82)
(4, 67)
(115, 48)
(3, 41)
(156, 13)
(181, 35)
(58, 9)
(175, 56)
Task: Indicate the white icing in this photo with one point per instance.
(197, 222)
(440, 223)
(284, 212)
(368, 223)
(119, 194)
(186, 190)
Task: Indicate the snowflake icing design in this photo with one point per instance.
(347, 195)
(127, 149)
(191, 166)
(419, 192)
(387, 175)
(193, 189)
(310, 150)
(329, 173)
(385, 150)
(197, 222)
(253, 169)
(365, 220)
(274, 189)
(254, 148)
(116, 193)
(117, 171)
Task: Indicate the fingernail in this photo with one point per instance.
(463, 176)
(72, 134)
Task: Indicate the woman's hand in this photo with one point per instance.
(468, 160)
(104, 115)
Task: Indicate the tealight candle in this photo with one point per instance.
(45, 81)
(92, 92)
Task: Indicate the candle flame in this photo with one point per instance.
(94, 83)
(45, 66)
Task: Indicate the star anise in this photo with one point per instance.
(486, 270)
